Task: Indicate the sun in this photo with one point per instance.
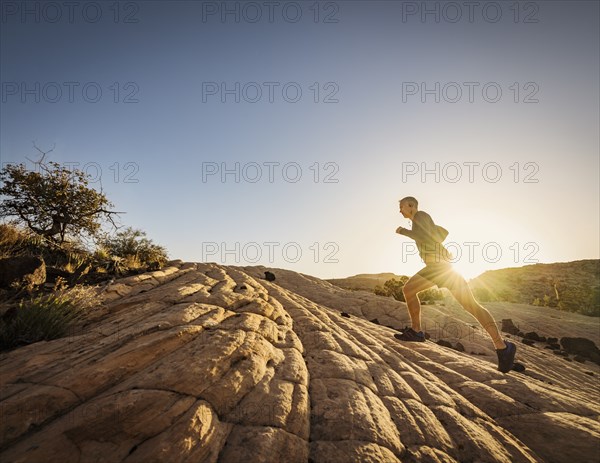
(470, 270)
(483, 243)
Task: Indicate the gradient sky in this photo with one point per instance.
(367, 132)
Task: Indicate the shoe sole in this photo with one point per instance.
(409, 340)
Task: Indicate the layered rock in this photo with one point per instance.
(201, 362)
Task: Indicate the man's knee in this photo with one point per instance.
(462, 296)
(409, 290)
(466, 300)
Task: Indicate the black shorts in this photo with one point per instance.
(442, 274)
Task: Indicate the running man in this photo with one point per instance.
(438, 271)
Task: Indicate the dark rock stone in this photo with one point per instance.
(441, 342)
(580, 346)
(269, 276)
(579, 358)
(459, 347)
(553, 346)
(595, 358)
(551, 340)
(509, 327)
(528, 342)
(521, 334)
(518, 367)
(561, 352)
(375, 321)
(242, 287)
(534, 336)
(591, 373)
(22, 271)
(344, 314)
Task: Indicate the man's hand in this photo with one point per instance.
(399, 230)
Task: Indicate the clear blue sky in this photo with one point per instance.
(365, 126)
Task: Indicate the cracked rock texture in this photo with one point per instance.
(207, 363)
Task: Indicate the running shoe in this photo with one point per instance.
(506, 357)
(410, 335)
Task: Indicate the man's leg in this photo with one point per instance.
(411, 288)
(464, 296)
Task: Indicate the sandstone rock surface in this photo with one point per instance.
(210, 363)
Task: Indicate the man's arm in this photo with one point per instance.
(422, 228)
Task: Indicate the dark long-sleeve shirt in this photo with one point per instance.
(427, 235)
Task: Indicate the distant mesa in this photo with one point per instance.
(569, 286)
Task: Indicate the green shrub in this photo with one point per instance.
(431, 295)
(10, 240)
(593, 305)
(133, 246)
(101, 254)
(392, 288)
(45, 317)
(16, 241)
(379, 291)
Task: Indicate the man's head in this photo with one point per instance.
(409, 207)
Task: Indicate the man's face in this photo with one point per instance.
(404, 208)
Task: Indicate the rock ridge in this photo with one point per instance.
(204, 362)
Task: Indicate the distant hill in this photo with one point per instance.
(364, 281)
(572, 286)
